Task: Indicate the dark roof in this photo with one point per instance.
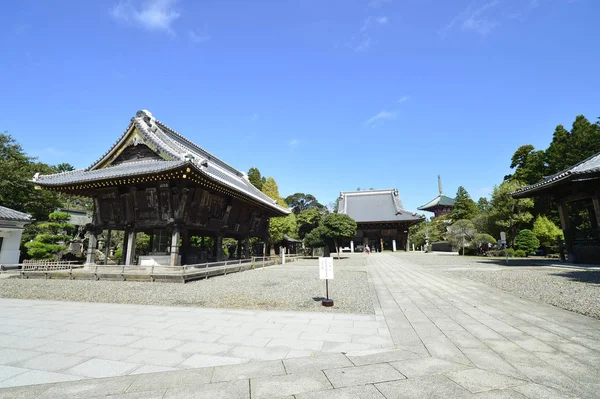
(588, 166)
(440, 200)
(136, 168)
(174, 150)
(375, 206)
(11, 214)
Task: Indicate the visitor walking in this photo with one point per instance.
(367, 249)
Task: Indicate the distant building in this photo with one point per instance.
(440, 205)
(12, 224)
(382, 221)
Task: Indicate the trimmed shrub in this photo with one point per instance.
(527, 241)
(519, 253)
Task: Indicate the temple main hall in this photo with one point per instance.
(382, 222)
(154, 180)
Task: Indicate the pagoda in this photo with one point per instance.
(440, 205)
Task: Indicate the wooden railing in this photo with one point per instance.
(126, 272)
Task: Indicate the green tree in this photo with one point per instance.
(50, 242)
(338, 226)
(464, 206)
(546, 231)
(527, 241)
(432, 231)
(461, 232)
(570, 147)
(271, 189)
(300, 202)
(529, 165)
(281, 226)
(307, 221)
(316, 237)
(16, 189)
(507, 213)
(483, 205)
(255, 178)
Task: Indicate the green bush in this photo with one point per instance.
(469, 251)
(502, 252)
(519, 253)
(527, 241)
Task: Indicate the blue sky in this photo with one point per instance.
(322, 95)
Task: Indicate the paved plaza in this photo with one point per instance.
(433, 335)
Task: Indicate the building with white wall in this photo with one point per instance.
(12, 224)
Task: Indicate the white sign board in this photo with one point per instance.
(503, 236)
(326, 268)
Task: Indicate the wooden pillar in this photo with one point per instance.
(107, 249)
(124, 251)
(175, 247)
(185, 246)
(151, 243)
(219, 246)
(130, 256)
(596, 202)
(563, 213)
(239, 248)
(381, 244)
(91, 253)
(247, 248)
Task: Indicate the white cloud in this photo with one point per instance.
(156, 15)
(403, 99)
(476, 19)
(378, 3)
(383, 115)
(294, 142)
(364, 44)
(364, 40)
(197, 38)
(370, 20)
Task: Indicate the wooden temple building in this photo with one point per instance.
(154, 180)
(382, 222)
(440, 205)
(578, 185)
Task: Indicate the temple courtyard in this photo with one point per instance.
(404, 326)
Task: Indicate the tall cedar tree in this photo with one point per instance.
(464, 206)
(255, 178)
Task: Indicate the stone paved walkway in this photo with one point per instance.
(453, 338)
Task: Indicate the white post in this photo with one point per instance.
(393, 245)
(129, 258)
(175, 248)
(282, 252)
(91, 254)
(351, 246)
(413, 247)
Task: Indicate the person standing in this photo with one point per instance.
(367, 249)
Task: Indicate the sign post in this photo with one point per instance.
(504, 246)
(326, 273)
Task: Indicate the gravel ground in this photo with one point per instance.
(577, 290)
(288, 287)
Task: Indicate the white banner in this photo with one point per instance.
(326, 268)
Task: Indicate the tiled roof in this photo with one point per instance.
(136, 168)
(11, 214)
(375, 206)
(585, 167)
(440, 200)
(175, 150)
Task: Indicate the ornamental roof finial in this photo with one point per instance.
(440, 185)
